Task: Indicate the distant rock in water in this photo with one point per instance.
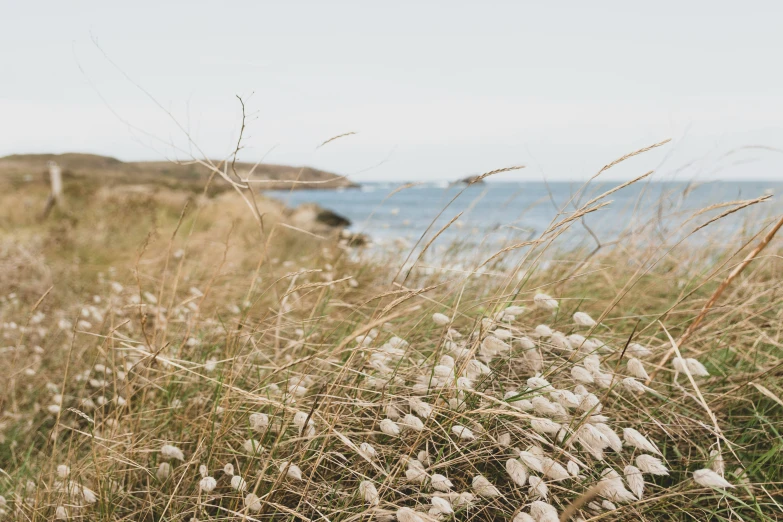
(469, 180)
(332, 219)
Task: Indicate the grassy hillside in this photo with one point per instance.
(190, 174)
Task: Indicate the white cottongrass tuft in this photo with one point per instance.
(515, 310)
(369, 492)
(545, 302)
(63, 471)
(554, 469)
(462, 432)
(538, 488)
(709, 479)
(634, 386)
(517, 471)
(545, 426)
(523, 517)
(543, 512)
(253, 503)
(637, 440)
(440, 319)
(405, 514)
(164, 470)
(228, 469)
(412, 422)
(238, 483)
(484, 487)
(172, 452)
(421, 408)
(635, 480)
(259, 421)
(389, 427)
(532, 461)
(573, 467)
(60, 513)
(717, 463)
(583, 319)
(292, 471)
(693, 366)
(637, 350)
(636, 368)
(582, 375)
(441, 482)
(441, 506)
(367, 451)
(613, 488)
(543, 330)
(251, 446)
(207, 484)
(651, 465)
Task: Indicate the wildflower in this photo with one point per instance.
(207, 484)
(545, 302)
(441, 506)
(369, 492)
(710, 479)
(421, 408)
(252, 502)
(543, 512)
(441, 482)
(636, 368)
(484, 487)
(412, 422)
(238, 483)
(462, 432)
(538, 488)
(405, 514)
(696, 368)
(172, 452)
(580, 374)
(389, 427)
(259, 421)
(634, 386)
(251, 446)
(292, 471)
(637, 440)
(517, 471)
(633, 476)
(637, 350)
(554, 469)
(440, 319)
(416, 474)
(582, 319)
(164, 470)
(532, 461)
(367, 451)
(545, 426)
(651, 465)
(612, 487)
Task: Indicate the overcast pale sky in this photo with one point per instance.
(434, 90)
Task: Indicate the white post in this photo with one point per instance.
(56, 178)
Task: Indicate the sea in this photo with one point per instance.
(492, 213)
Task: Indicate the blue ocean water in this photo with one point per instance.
(385, 211)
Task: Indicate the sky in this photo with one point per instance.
(433, 90)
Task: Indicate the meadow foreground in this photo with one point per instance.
(178, 358)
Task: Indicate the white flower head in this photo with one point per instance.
(517, 471)
(164, 470)
(440, 319)
(238, 483)
(389, 427)
(583, 319)
(441, 506)
(637, 440)
(172, 452)
(484, 487)
(651, 465)
(252, 502)
(367, 451)
(369, 492)
(546, 302)
(538, 488)
(635, 480)
(462, 432)
(709, 479)
(543, 512)
(441, 482)
(405, 514)
(292, 471)
(207, 484)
